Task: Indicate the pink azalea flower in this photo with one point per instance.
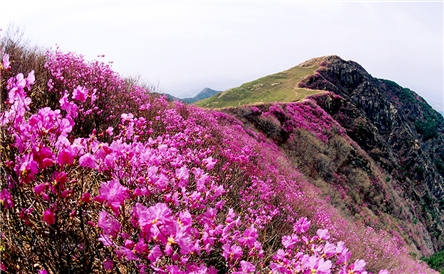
(182, 175)
(48, 217)
(329, 250)
(316, 265)
(233, 252)
(384, 271)
(30, 80)
(127, 253)
(69, 107)
(108, 224)
(105, 240)
(358, 267)
(113, 193)
(28, 168)
(66, 156)
(289, 241)
(88, 160)
(108, 264)
(155, 254)
(43, 156)
(39, 188)
(157, 214)
(209, 163)
(43, 271)
(86, 197)
(109, 131)
(279, 268)
(323, 234)
(80, 93)
(129, 244)
(343, 253)
(6, 63)
(302, 225)
(246, 267)
(249, 237)
(6, 199)
(141, 247)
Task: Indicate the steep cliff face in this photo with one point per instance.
(396, 127)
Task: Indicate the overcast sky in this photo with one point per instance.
(186, 46)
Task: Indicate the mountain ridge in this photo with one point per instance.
(397, 129)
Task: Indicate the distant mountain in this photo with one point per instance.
(203, 94)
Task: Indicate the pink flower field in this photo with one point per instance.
(99, 175)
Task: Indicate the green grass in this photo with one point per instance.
(279, 87)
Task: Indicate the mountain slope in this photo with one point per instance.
(279, 87)
(376, 145)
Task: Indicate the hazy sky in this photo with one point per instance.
(186, 46)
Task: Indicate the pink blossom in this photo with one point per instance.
(329, 250)
(249, 237)
(108, 264)
(129, 243)
(302, 225)
(323, 234)
(30, 80)
(86, 197)
(358, 267)
(141, 247)
(289, 241)
(245, 267)
(39, 188)
(105, 240)
(6, 199)
(155, 253)
(182, 175)
(66, 156)
(232, 252)
(43, 271)
(28, 168)
(127, 253)
(43, 156)
(80, 94)
(88, 160)
(157, 214)
(343, 253)
(69, 107)
(108, 224)
(316, 265)
(178, 235)
(113, 193)
(6, 63)
(48, 217)
(209, 163)
(109, 131)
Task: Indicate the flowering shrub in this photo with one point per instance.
(113, 179)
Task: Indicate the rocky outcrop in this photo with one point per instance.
(396, 127)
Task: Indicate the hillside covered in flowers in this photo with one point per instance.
(101, 176)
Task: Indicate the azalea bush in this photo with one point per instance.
(103, 176)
